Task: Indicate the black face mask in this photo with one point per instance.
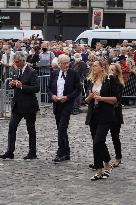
(44, 49)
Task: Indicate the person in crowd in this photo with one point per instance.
(24, 105)
(81, 67)
(17, 47)
(1, 49)
(33, 57)
(64, 87)
(1, 68)
(130, 59)
(102, 96)
(124, 51)
(125, 43)
(116, 71)
(135, 54)
(113, 56)
(124, 67)
(77, 48)
(54, 63)
(91, 59)
(7, 61)
(118, 46)
(45, 58)
(84, 54)
(98, 49)
(44, 65)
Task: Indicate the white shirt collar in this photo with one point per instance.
(23, 69)
(65, 72)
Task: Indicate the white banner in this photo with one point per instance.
(97, 18)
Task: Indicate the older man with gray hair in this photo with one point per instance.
(24, 105)
(64, 87)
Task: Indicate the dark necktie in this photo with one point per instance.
(63, 76)
(20, 74)
(8, 57)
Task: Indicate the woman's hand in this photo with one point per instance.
(98, 98)
(110, 100)
(89, 98)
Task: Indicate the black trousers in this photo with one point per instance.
(13, 124)
(62, 116)
(99, 133)
(115, 130)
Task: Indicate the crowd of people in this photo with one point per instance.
(43, 56)
(98, 75)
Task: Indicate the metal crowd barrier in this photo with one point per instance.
(5, 72)
(2, 96)
(6, 95)
(1, 72)
(129, 92)
(42, 95)
(43, 70)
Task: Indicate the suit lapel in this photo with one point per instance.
(68, 78)
(25, 73)
(56, 76)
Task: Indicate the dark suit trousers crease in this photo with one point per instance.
(100, 150)
(62, 116)
(13, 124)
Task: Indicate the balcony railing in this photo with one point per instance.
(114, 3)
(78, 3)
(13, 3)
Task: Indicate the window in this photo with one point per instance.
(41, 3)
(111, 3)
(114, 3)
(119, 3)
(82, 41)
(79, 3)
(13, 3)
(132, 19)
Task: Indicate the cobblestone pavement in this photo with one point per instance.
(41, 182)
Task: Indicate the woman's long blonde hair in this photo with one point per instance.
(119, 75)
(105, 70)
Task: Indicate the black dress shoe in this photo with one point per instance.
(62, 158)
(7, 155)
(30, 156)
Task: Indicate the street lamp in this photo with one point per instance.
(89, 15)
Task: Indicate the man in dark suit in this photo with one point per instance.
(24, 105)
(64, 87)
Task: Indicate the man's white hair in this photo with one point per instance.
(21, 55)
(62, 57)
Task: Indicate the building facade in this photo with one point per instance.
(27, 14)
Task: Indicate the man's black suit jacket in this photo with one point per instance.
(72, 87)
(24, 100)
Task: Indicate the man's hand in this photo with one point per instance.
(54, 98)
(63, 99)
(12, 83)
(18, 84)
(14, 66)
